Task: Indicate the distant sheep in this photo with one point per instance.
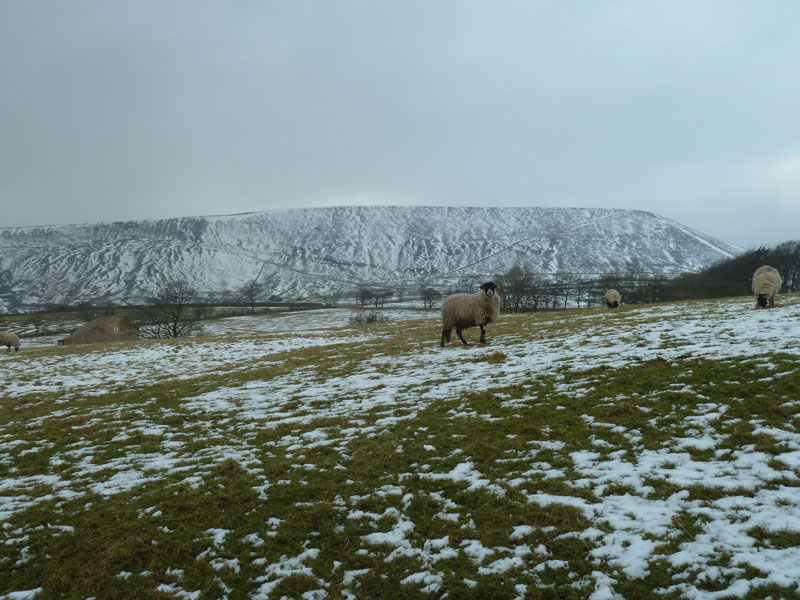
(612, 299)
(766, 284)
(9, 339)
(463, 311)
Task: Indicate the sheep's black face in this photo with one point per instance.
(488, 288)
(762, 300)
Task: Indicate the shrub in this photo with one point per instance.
(368, 317)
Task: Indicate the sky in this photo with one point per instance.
(113, 111)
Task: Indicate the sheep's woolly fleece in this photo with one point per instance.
(628, 530)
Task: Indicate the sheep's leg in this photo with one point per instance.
(772, 302)
(461, 336)
(446, 336)
(483, 334)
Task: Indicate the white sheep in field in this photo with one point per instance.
(463, 311)
(613, 299)
(9, 339)
(766, 284)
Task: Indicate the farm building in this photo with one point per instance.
(103, 329)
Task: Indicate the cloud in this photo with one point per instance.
(115, 111)
(781, 180)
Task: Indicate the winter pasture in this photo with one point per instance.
(643, 452)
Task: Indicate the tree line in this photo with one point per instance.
(176, 310)
(733, 277)
(524, 289)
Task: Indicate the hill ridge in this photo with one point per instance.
(323, 251)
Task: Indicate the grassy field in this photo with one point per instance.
(647, 452)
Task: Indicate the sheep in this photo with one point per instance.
(463, 311)
(766, 283)
(9, 339)
(612, 299)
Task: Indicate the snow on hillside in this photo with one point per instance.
(628, 530)
(311, 253)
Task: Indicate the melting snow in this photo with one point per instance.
(628, 530)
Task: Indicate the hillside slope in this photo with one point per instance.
(308, 253)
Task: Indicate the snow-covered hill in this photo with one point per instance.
(307, 253)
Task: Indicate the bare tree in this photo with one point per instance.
(380, 296)
(651, 289)
(429, 295)
(170, 314)
(518, 287)
(565, 285)
(632, 278)
(584, 290)
(364, 296)
(250, 292)
(785, 257)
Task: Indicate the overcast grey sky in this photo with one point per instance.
(144, 109)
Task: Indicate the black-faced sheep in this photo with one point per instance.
(766, 284)
(612, 299)
(9, 339)
(463, 311)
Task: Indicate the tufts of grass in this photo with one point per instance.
(237, 494)
(782, 538)
(493, 359)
